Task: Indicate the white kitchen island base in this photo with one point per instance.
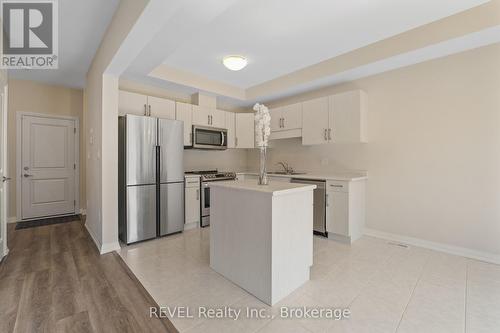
(261, 236)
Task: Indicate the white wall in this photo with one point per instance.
(101, 93)
(434, 153)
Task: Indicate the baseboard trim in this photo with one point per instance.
(441, 247)
(94, 238)
(102, 248)
(110, 247)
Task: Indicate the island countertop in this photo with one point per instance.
(273, 188)
(348, 176)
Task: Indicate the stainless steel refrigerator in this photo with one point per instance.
(151, 178)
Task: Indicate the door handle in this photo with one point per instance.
(326, 135)
(198, 194)
(27, 175)
(5, 179)
(223, 138)
(283, 122)
(145, 110)
(150, 110)
(326, 199)
(329, 134)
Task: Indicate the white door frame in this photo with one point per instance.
(19, 171)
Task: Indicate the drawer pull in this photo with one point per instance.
(340, 186)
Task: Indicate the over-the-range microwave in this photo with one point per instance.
(209, 138)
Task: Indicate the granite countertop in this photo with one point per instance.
(341, 175)
(274, 188)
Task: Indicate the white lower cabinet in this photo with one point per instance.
(192, 203)
(345, 210)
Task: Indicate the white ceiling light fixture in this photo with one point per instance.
(235, 62)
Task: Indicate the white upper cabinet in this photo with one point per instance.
(201, 116)
(338, 118)
(218, 118)
(347, 117)
(184, 112)
(315, 121)
(230, 125)
(245, 130)
(286, 118)
(143, 105)
(292, 117)
(132, 103)
(276, 115)
(161, 108)
(205, 116)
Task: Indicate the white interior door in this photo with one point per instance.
(48, 167)
(3, 176)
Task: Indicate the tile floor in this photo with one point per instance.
(387, 288)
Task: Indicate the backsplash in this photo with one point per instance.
(227, 160)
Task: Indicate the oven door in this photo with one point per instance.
(209, 138)
(205, 200)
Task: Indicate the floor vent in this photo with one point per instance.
(399, 244)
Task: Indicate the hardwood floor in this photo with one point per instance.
(54, 280)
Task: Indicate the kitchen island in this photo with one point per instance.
(261, 236)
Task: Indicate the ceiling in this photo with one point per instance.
(297, 46)
(281, 37)
(81, 27)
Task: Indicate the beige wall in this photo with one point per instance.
(434, 152)
(30, 96)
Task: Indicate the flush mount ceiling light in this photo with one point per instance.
(235, 62)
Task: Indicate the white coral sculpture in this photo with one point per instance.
(262, 125)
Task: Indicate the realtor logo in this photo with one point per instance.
(30, 34)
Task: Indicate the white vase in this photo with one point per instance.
(262, 169)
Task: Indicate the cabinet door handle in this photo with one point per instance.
(283, 122)
(198, 194)
(329, 134)
(326, 135)
(236, 142)
(339, 186)
(326, 199)
(145, 110)
(150, 110)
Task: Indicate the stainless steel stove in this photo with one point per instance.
(208, 176)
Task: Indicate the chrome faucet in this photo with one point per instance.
(286, 167)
